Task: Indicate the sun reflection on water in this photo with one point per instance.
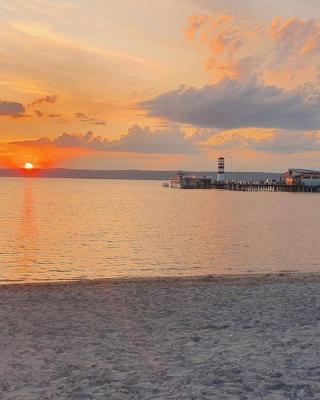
(27, 230)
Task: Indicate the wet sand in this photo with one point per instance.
(203, 338)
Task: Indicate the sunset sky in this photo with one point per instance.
(147, 84)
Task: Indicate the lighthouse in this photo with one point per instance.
(220, 177)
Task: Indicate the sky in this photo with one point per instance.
(160, 85)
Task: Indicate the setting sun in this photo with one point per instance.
(28, 165)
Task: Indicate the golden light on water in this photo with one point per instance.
(28, 165)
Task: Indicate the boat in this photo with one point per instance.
(180, 181)
(176, 181)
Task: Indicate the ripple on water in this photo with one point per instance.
(59, 229)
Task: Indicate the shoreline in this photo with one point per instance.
(180, 280)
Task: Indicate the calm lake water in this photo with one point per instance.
(62, 229)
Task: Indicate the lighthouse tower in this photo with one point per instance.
(220, 177)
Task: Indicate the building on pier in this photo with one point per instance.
(303, 177)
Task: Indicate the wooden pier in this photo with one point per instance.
(265, 187)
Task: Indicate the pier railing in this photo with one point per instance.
(264, 187)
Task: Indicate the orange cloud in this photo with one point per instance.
(195, 22)
(267, 141)
(45, 99)
(297, 36)
(230, 43)
(239, 48)
(238, 137)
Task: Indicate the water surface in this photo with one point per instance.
(62, 229)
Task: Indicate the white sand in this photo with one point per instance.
(221, 338)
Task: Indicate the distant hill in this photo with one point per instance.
(127, 174)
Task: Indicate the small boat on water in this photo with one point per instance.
(165, 184)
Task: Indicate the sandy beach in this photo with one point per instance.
(202, 338)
